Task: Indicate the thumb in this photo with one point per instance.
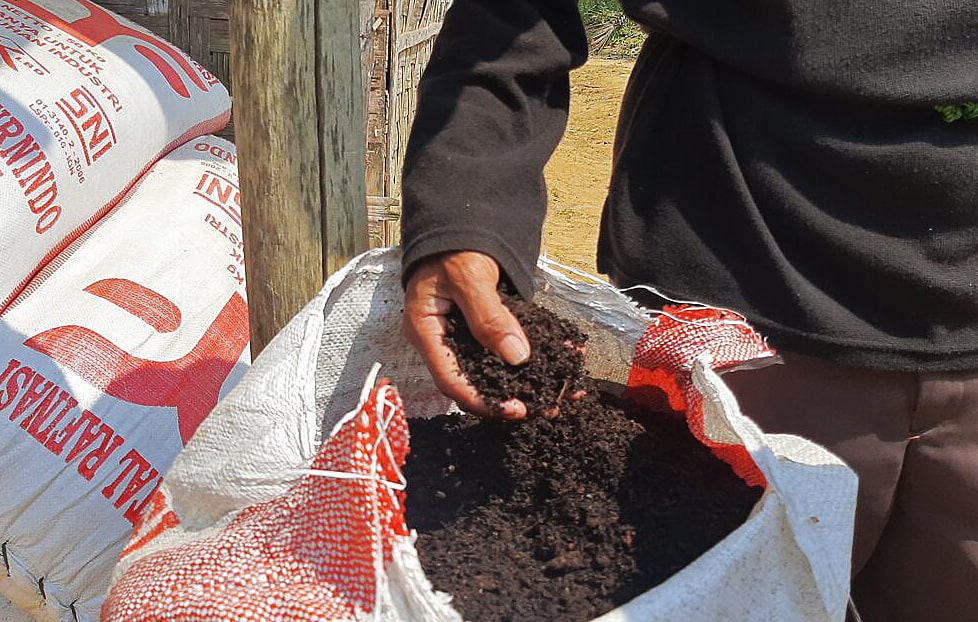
(491, 322)
(496, 328)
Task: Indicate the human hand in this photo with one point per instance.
(468, 280)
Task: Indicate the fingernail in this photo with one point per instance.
(514, 350)
(513, 409)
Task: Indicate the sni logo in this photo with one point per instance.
(90, 123)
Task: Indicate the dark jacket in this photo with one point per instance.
(784, 160)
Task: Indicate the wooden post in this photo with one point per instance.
(299, 126)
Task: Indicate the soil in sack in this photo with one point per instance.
(559, 518)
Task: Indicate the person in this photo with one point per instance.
(787, 160)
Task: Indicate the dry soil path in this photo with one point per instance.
(578, 173)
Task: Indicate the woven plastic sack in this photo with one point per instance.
(788, 561)
(321, 551)
(109, 360)
(88, 101)
(10, 612)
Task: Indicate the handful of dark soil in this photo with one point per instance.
(559, 519)
(555, 368)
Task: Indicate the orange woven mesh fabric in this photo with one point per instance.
(661, 374)
(315, 553)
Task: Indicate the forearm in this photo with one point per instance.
(492, 107)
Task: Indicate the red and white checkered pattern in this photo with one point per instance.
(315, 553)
(661, 374)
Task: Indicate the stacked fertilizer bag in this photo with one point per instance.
(123, 318)
(109, 360)
(88, 102)
(287, 504)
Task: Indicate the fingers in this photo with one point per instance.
(475, 279)
(450, 380)
(427, 334)
(553, 411)
(513, 409)
(469, 280)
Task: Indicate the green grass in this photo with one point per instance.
(609, 32)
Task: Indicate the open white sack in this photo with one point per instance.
(788, 561)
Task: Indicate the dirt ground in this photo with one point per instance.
(578, 173)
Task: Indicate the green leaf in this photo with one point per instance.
(951, 113)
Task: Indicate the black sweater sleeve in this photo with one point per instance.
(492, 107)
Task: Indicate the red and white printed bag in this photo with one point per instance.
(109, 360)
(88, 101)
(259, 519)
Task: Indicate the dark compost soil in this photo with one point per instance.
(564, 518)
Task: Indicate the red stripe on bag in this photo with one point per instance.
(149, 306)
(661, 374)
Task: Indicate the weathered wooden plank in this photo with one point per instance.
(217, 9)
(157, 7)
(377, 109)
(218, 58)
(381, 201)
(415, 37)
(157, 24)
(125, 8)
(180, 23)
(342, 123)
(220, 35)
(198, 38)
(367, 10)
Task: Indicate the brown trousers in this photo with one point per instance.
(913, 441)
